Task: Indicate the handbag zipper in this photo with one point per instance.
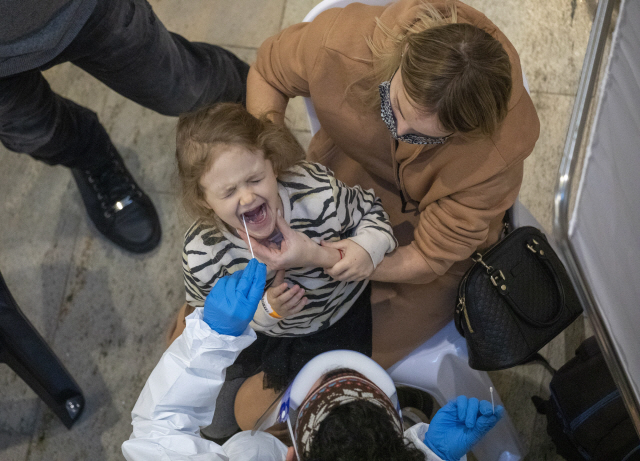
(463, 307)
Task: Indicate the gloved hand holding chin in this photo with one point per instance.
(459, 425)
(232, 302)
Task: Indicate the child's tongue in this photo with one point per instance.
(254, 216)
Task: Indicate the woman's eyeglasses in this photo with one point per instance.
(392, 124)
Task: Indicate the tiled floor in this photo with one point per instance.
(104, 311)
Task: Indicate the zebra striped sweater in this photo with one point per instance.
(323, 208)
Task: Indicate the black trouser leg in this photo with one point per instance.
(24, 350)
(124, 45)
(36, 121)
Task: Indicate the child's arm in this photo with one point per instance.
(195, 289)
(279, 302)
(361, 214)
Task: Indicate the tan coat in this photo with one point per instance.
(461, 188)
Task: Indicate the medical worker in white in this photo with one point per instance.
(179, 396)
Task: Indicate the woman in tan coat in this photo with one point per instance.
(446, 156)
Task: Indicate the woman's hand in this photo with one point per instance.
(296, 249)
(231, 303)
(459, 425)
(285, 301)
(355, 265)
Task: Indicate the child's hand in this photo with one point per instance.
(285, 301)
(355, 265)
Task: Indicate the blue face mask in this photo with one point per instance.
(392, 124)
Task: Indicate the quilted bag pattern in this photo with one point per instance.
(513, 300)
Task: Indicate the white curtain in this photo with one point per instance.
(605, 226)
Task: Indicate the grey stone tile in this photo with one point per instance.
(147, 142)
(111, 331)
(73, 83)
(296, 10)
(223, 22)
(541, 167)
(20, 408)
(515, 387)
(38, 225)
(248, 55)
(551, 38)
(37, 234)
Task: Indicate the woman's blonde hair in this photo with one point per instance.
(457, 71)
(202, 134)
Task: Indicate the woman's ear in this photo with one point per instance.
(291, 455)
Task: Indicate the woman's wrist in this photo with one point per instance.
(404, 265)
(326, 257)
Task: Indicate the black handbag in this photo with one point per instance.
(513, 300)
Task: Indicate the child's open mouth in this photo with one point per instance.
(257, 215)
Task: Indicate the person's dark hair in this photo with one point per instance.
(360, 431)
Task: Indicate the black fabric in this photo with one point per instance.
(24, 17)
(224, 425)
(33, 32)
(27, 353)
(125, 46)
(514, 300)
(586, 417)
(282, 358)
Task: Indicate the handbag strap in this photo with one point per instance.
(499, 281)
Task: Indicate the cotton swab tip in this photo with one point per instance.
(248, 238)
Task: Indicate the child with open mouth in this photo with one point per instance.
(236, 170)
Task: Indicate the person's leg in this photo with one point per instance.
(413, 314)
(36, 121)
(125, 46)
(287, 357)
(252, 400)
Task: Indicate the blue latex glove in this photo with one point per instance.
(459, 425)
(233, 300)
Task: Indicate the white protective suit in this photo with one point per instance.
(179, 397)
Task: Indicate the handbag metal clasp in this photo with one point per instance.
(478, 259)
(495, 279)
(534, 247)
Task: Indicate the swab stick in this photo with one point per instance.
(248, 238)
(493, 407)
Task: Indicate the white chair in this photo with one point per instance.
(440, 365)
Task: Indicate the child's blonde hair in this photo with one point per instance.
(457, 71)
(204, 133)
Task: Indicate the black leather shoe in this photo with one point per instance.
(120, 210)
